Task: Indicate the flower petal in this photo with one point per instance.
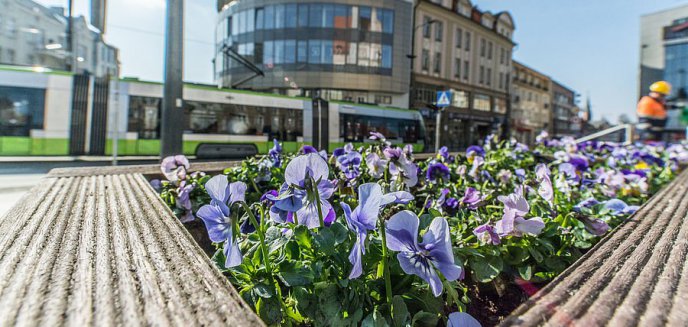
(402, 231)
(215, 222)
(217, 188)
(237, 192)
(462, 319)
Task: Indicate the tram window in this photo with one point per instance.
(144, 117)
(232, 119)
(354, 128)
(21, 110)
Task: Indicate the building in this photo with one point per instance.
(565, 120)
(348, 50)
(34, 35)
(460, 48)
(664, 49)
(531, 103)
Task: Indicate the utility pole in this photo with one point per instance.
(172, 102)
(70, 38)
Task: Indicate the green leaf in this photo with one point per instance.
(374, 319)
(264, 291)
(486, 269)
(536, 254)
(341, 232)
(324, 241)
(303, 237)
(399, 311)
(424, 319)
(269, 310)
(526, 272)
(300, 277)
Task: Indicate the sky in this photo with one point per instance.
(591, 46)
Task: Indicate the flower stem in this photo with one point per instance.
(320, 214)
(385, 265)
(261, 236)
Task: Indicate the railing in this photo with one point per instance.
(629, 128)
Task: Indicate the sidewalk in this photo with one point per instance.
(13, 187)
(43, 164)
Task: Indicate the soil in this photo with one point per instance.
(490, 308)
(197, 230)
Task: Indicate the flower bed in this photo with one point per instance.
(370, 236)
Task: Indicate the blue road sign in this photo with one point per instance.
(443, 99)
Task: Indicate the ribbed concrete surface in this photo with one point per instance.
(104, 250)
(636, 276)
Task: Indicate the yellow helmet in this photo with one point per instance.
(661, 87)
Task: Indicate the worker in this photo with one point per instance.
(652, 111)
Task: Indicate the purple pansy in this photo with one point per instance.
(184, 201)
(304, 176)
(443, 152)
(423, 259)
(472, 198)
(545, 190)
(462, 319)
(475, 150)
(376, 166)
(618, 207)
(364, 218)
(275, 153)
(401, 168)
(487, 234)
(156, 184)
(216, 215)
(349, 161)
(513, 221)
(595, 226)
(437, 171)
(585, 204)
(174, 168)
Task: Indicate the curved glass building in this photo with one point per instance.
(350, 50)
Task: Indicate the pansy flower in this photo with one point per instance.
(423, 259)
(364, 218)
(175, 167)
(216, 215)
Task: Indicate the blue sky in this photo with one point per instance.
(588, 45)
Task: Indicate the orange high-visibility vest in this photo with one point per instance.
(649, 107)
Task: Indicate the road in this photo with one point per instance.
(14, 186)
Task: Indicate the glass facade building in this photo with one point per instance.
(349, 50)
(676, 57)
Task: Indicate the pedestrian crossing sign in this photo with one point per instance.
(443, 98)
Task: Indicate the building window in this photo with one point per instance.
(302, 52)
(466, 68)
(468, 41)
(489, 50)
(383, 99)
(457, 68)
(303, 15)
(314, 51)
(482, 75)
(364, 14)
(481, 102)
(289, 51)
(459, 39)
(269, 22)
(290, 16)
(387, 20)
(482, 48)
(438, 31)
(489, 77)
(315, 15)
(501, 80)
(460, 99)
(425, 60)
(502, 56)
(426, 27)
(437, 67)
(259, 18)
